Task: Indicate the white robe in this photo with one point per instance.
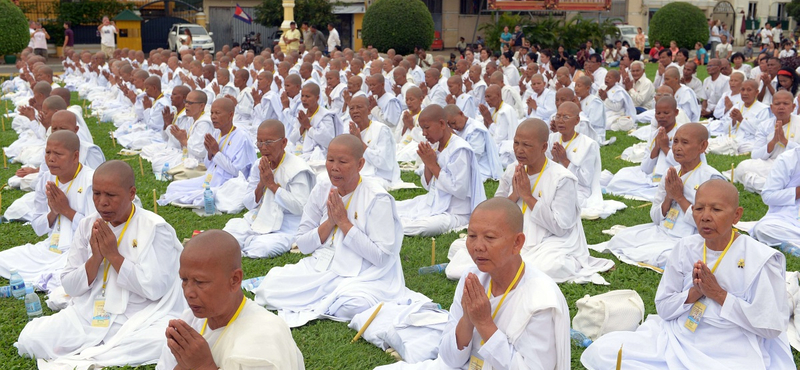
(148, 129)
(466, 103)
(747, 332)
(380, 158)
(741, 137)
(257, 339)
(714, 89)
(545, 105)
(753, 172)
(531, 333)
(171, 152)
(39, 263)
(235, 156)
(485, 149)
(451, 197)
(389, 110)
(141, 298)
(313, 144)
(620, 110)
(641, 181)
(268, 228)
(478, 92)
(652, 243)
(782, 221)
(687, 101)
(595, 110)
(362, 267)
(503, 129)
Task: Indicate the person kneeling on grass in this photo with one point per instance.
(223, 329)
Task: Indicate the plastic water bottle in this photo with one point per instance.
(579, 338)
(32, 304)
(435, 269)
(208, 201)
(251, 284)
(17, 285)
(5, 291)
(164, 172)
(790, 248)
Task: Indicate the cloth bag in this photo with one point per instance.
(617, 310)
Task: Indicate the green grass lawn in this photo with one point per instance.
(326, 344)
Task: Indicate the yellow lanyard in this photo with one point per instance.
(494, 116)
(513, 282)
(275, 170)
(194, 124)
(310, 118)
(733, 233)
(176, 116)
(746, 109)
(691, 173)
(119, 240)
(561, 141)
(525, 205)
(227, 137)
(346, 206)
(235, 316)
(447, 143)
(68, 187)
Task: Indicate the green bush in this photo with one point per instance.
(56, 32)
(316, 12)
(90, 12)
(398, 24)
(681, 22)
(14, 35)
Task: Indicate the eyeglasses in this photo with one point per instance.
(193, 102)
(562, 117)
(266, 143)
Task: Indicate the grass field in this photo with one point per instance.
(325, 344)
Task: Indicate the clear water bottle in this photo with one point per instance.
(165, 172)
(17, 285)
(251, 284)
(208, 201)
(790, 249)
(5, 291)
(32, 304)
(579, 338)
(435, 269)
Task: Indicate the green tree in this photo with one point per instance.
(14, 35)
(681, 22)
(315, 12)
(398, 24)
(793, 10)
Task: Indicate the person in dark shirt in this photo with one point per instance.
(69, 35)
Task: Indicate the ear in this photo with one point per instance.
(236, 279)
(519, 242)
(133, 193)
(738, 214)
(361, 163)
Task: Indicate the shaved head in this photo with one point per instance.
(120, 171)
(64, 120)
(353, 144)
(153, 81)
(68, 139)
(432, 112)
(273, 126)
(672, 72)
(451, 110)
(570, 108)
(667, 102)
(535, 127)
(415, 92)
(217, 247)
(224, 103)
(313, 89)
(63, 93)
(511, 215)
(42, 88)
(694, 130)
(783, 94)
(54, 103)
(720, 189)
(664, 89)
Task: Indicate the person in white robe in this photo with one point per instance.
(384, 106)
(267, 102)
(464, 101)
(121, 275)
(243, 99)
(379, 146)
(492, 321)
(501, 120)
(781, 224)
(400, 85)
(690, 80)
(721, 302)
(742, 123)
(510, 94)
(223, 328)
(541, 103)
(316, 127)
(684, 96)
(451, 175)
(780, 133)
(728, 100)
(642, 181)
(30, 108)
(545, 191)
(475, 85)
(715, 85)
(277, 189)
(592, 106)
(619, 107)
(229, 154)
(479, 139)
(150, 124)
(409, 134)
(640, 88)
(665, 62)
(61, 199)
(435, 92)
(32, 129)
(671, 211)
(564, 95)
(595, 72)
(354, 260)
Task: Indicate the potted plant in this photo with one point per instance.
(14, 35)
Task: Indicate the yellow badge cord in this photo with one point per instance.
(513, 282)
(68, 187)
(119, 240)
(235, 316)
(561, 141)
(733, 233)
(525, 205)
(346, 207)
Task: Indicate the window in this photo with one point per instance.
(781, 11)
(751, 10)
(471, 6)
(435, 6)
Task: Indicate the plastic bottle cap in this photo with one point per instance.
(13, 271)
(28, 289)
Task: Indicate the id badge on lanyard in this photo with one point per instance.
(100, 318)
(695, 315)
(672, 216)
(54, 239)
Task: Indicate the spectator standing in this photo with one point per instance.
(505, 37)
(107, 41)
(766, 35)
(713, 39)
(724, 32)
(308, 38)
(317, 39)
(292, 38)
(724, 49)
(31, 29)
(40, 37)
(639, 40)
(333, 39)
(519, 37)
(69, 35)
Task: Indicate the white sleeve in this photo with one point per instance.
(562, 214)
